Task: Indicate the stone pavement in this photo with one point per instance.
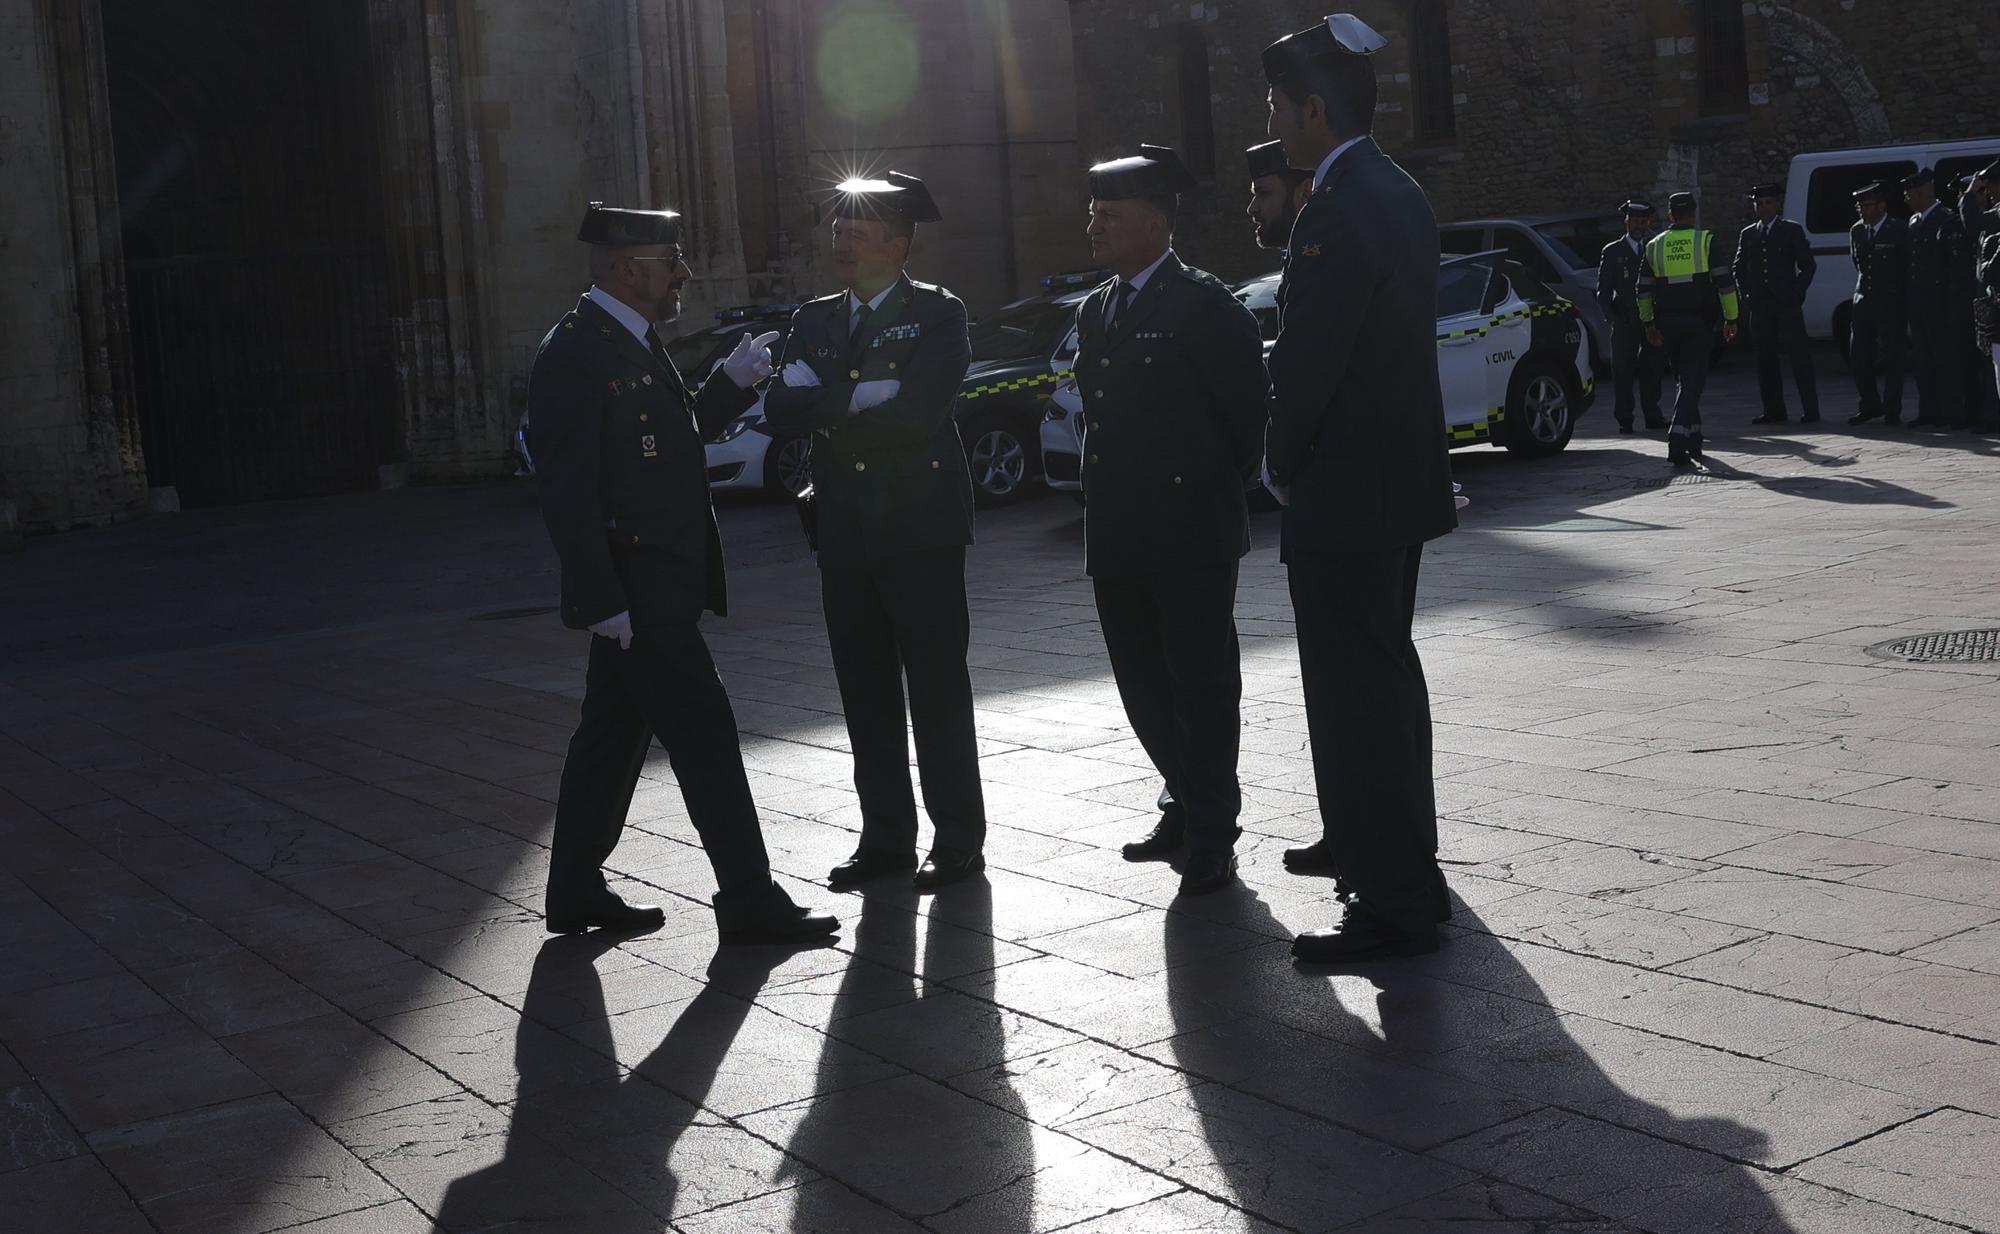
(275, 786)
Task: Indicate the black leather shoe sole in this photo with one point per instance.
(627, 921)
(809, 928)
(935, 874)
(852, 873)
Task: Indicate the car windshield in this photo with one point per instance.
(1022, 332)
(1579, 242)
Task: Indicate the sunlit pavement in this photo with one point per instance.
(275, 787)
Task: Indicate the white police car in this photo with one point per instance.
(1513, 364)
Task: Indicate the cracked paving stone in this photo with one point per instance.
(31, 1131)
(821, 1207)
(334, 1067)
(1486, 1206)
(946, 1033)
(1940, 1165)
(1183, 1212)
(400, 1217)
(1069, 1083)
(73, 1196)
(1899, 988)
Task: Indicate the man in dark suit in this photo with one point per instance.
(873, 373)
(1171, 370)
(1940, 300)
(1981, 224)
(1356, 450)
(1618, 269)
(1879, 326)
(1774, 266)
(624, 486)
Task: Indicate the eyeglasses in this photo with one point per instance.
(1356, 37)
(672, 259)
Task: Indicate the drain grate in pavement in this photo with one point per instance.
(1953, 646)
(509, 614)
(1681, 479)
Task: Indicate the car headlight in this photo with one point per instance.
(739, 426)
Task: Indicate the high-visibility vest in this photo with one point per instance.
(1679, 279)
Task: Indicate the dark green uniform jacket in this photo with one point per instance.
(1940, 269)
(1173, 407)
(1773, 271)
(1618, 269)
(618, 448)
(890, 479)
(1357, 417)
(1881, 271)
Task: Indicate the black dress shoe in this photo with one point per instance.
(1811, 417)
(1768, 418)
(942, 869)
(1363, 936)
(1207, 870)
(869, 863)
(1315, 858)
(1863, 417)
(1161, 843)
(611, 914)
(769, 917)
(1694, 447)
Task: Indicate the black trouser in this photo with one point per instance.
(1632, 359)
(1982, 396)
(1935, 348)
(1690, 341)
(906, 617)
(1779, 331)
(1875, 349)
(1172, 642)
(664, 685)
(1368, 712)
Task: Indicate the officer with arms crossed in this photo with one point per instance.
(1774, 266)
(1618, 271)
(624, 485)
(1879, 328)
(873, 373)
(1356, 449)
(1171, 370)
(1940, 300)
(1679, 292)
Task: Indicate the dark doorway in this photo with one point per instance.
(250, 194)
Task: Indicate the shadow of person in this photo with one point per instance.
(1353, 1101)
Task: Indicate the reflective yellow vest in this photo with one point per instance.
(1678, 276)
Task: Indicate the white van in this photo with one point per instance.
(1819, 193)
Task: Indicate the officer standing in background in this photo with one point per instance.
(1773, 267)
(624, 488)
(1879, 327)
(1679, 294)
(1277, 193)
(1976, 214)
(1357, 452)
(1171, 370)
(1940, 299)
(873, 372)
(1618, 271)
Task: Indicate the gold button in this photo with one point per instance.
(643, 417)
(860, 466)
(934, 464)
(635, 539)
(1105, 362)
(1177, 479)
(892, 366)
(648, 379)
(854, 374)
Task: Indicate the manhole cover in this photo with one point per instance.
(1956, 646)
(1680, 479)
(509, 614)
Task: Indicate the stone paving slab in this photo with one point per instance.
(1726, 954)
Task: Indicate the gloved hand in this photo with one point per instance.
(1283, 492)
(1457, 501)
(750, 363)
(619, 627)
(869, 393)
(798, 375)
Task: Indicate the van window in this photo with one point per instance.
(1949, 170)
(1830, 191)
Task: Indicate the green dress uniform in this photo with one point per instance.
(1879, 327)
(1773, 268)
(1633, 361)
(1681, 294)
(1940, 300)
(894, 505)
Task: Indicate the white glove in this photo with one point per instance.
(1456, 500)
(619, 627)
(798, 375)
(750, 363)
(1283, 492)
(868, 393)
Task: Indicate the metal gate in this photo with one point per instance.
(260, 377)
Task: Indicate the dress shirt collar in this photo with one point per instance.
(1138, 281)
(1326, 164)
(624, 314)
(854, 301)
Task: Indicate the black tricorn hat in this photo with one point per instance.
(1872, 192)
(905, 197)
(1339, 34)
(1268, 159)
(1920, 180)
(1681, 203)
(1991, 171)
(1156, 171)
(623, 228)
(1767, 190)
(1636, 209)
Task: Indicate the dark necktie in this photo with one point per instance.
(659, 349)
(1120, 301)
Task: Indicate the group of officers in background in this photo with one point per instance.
(1926, 297)
(1182, 415)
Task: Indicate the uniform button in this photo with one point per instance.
(1096, 424)
(648, 379)
(1100, 394)
(1177, 479)
(1093, 458)
(1149, 359)
(892, 366)
(643, 417)
(1105, 362)
(860, 466)
(934, 464)
(635, 539)
(854, 374)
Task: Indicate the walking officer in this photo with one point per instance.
(1879, 326)
(1171, 370)
(873, 373)
(1277, 193)
(1773, 267)
(1940, 299)
(624, 488)
(1679, 295)
(1618, 271)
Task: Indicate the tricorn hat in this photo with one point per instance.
(905, 197)
(1872, 192)
(1268, 159)
(624, 228)
(1339, 34)
(1920, 180)
(1681, 203)
(1156, 171)
(1767, 190)
(1636, 209)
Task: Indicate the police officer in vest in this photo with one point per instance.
(873, 373)
(1171, 370)
(1277, 193)
(1632, 360)
(1773, 267)
(1879, 325)
(1680, 293)
(1940, 299)
(1357, 452)
(624, 487)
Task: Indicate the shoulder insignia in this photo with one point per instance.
(1310, 250)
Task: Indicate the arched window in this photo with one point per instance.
(1434, 116)
(1723, 54)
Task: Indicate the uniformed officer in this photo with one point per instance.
(1879, 326)
(1277, 193)
(1171, 369)
(624, 487)
(1976, 212)
(1940, 300)
(1773, 267)
(1632, 359)
(873, 373)
(1987, 274)
(1680, 293)
(1356, 450)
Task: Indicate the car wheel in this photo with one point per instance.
(788, 465)
(1541, 409)
(996, 452)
